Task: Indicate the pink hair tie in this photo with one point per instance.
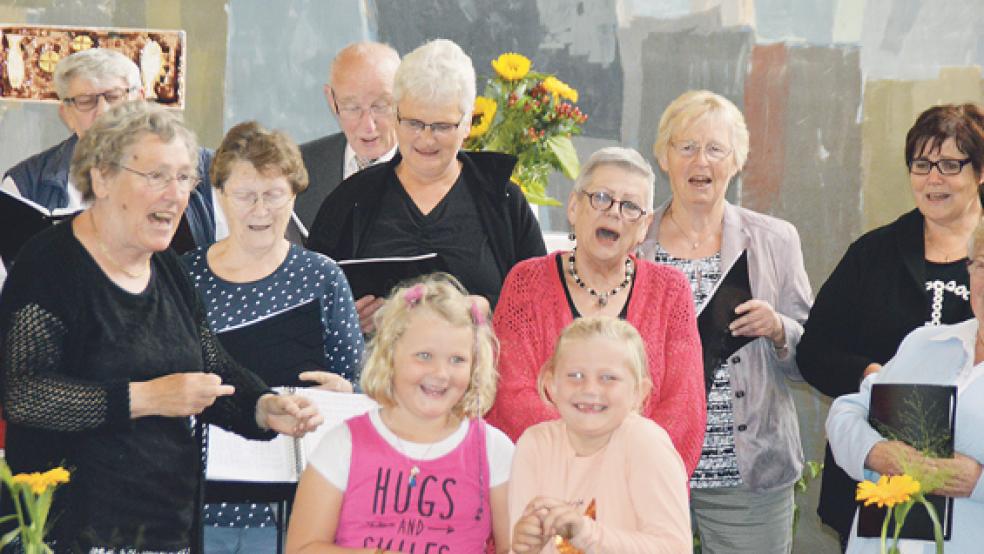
(414, 294)
(477, 316)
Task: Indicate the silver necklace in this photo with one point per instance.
(601, 296)
(414, 465)
(693, 243)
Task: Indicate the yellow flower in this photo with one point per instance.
(889, 491)
(55, 476)
(557, 87)
(40, 482)
(482, 116)
(511, 66)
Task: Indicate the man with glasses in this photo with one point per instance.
(89, 83)
(360, 95)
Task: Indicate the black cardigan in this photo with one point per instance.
(873, 299)
(345, 217)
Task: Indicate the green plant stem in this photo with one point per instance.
(884, 532)
(937, 528)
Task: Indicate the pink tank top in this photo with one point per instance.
(444, 509)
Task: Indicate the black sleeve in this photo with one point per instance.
(528, 238)
(33, 328)
(237, 412)
(825, 355)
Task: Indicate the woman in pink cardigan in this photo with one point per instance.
(609, 210)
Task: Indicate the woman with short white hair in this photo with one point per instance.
(432, 196)
(609, 211)
(742, 488)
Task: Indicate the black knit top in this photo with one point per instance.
(72, 341)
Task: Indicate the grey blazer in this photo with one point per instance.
(767, 439)
(324, 159)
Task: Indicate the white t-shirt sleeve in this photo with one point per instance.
(333, 456)
(500, 450)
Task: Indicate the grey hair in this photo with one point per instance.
(623, 158)
(375, 53)
(437, 71)
(976, 239)
(109, 139)
(97, 65)
(691, 106)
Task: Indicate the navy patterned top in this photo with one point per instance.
(718, 465)
(303, 276)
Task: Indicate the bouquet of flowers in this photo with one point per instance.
(532, 116)
(32, 494)
(899, 493)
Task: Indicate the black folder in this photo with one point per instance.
(279, 347)
(924, 417)
(22, 219)
(716, 339)
(378, 276)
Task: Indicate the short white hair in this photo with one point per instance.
(623, 158)
(436, 72)
(97, 65)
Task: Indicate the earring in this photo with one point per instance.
(571, 236)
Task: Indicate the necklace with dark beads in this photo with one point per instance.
(601, 296)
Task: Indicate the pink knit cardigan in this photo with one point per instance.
(532, 311)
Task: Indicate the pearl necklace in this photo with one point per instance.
(601, 296)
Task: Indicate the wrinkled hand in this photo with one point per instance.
(366, 307)
(326, 380)
(962, 473)
(757, 318)
(288, 414)
(885, 457)
(176, 395)
(528, 535)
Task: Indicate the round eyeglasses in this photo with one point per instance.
(355, 112)
(272, 199)
(602, 201)
(159, 180)
(690, 149)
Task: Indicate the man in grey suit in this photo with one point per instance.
(360, 94)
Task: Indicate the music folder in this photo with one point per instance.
(280, 346)
(22, 219)
(718, 312)
(378, 276)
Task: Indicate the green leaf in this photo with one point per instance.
(563, 149)
(9, 536)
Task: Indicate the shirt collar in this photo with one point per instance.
(351, 166)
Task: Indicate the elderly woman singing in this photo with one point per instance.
(609, 211)
(107, 351)
(432, 197)
(742, 489)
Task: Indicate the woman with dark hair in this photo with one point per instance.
(896, 278)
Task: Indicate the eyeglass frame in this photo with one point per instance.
(155, 176)
(444, 130)
(74, 100)
(699, 148)
(256, 196)
(612, 201)
(373, 110)
(974, 265)
(939, 168)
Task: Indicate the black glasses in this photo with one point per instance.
(438, 129)
(159, 180)
(602, 201)
(87, 102)
(944, 166)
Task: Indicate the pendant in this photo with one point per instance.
(602, 299)
(414, 471)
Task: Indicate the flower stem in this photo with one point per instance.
(884, 533)
(937, 528)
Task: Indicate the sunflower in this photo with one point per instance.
(512, 66)
(889, 491)
(482, 116)
(559, 88)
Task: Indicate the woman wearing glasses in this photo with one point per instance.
(896, 278)
(742, 488)
(432, 197)
(255, 273)
(107, 351)
(609, 211)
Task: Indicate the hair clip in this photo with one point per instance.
(414, 294)
(476, 312)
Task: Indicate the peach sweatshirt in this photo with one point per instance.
(638, 483)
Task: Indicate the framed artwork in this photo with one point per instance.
(30, 53)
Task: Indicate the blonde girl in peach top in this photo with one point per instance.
(601, 454)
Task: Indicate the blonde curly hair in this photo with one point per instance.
(442, 295)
